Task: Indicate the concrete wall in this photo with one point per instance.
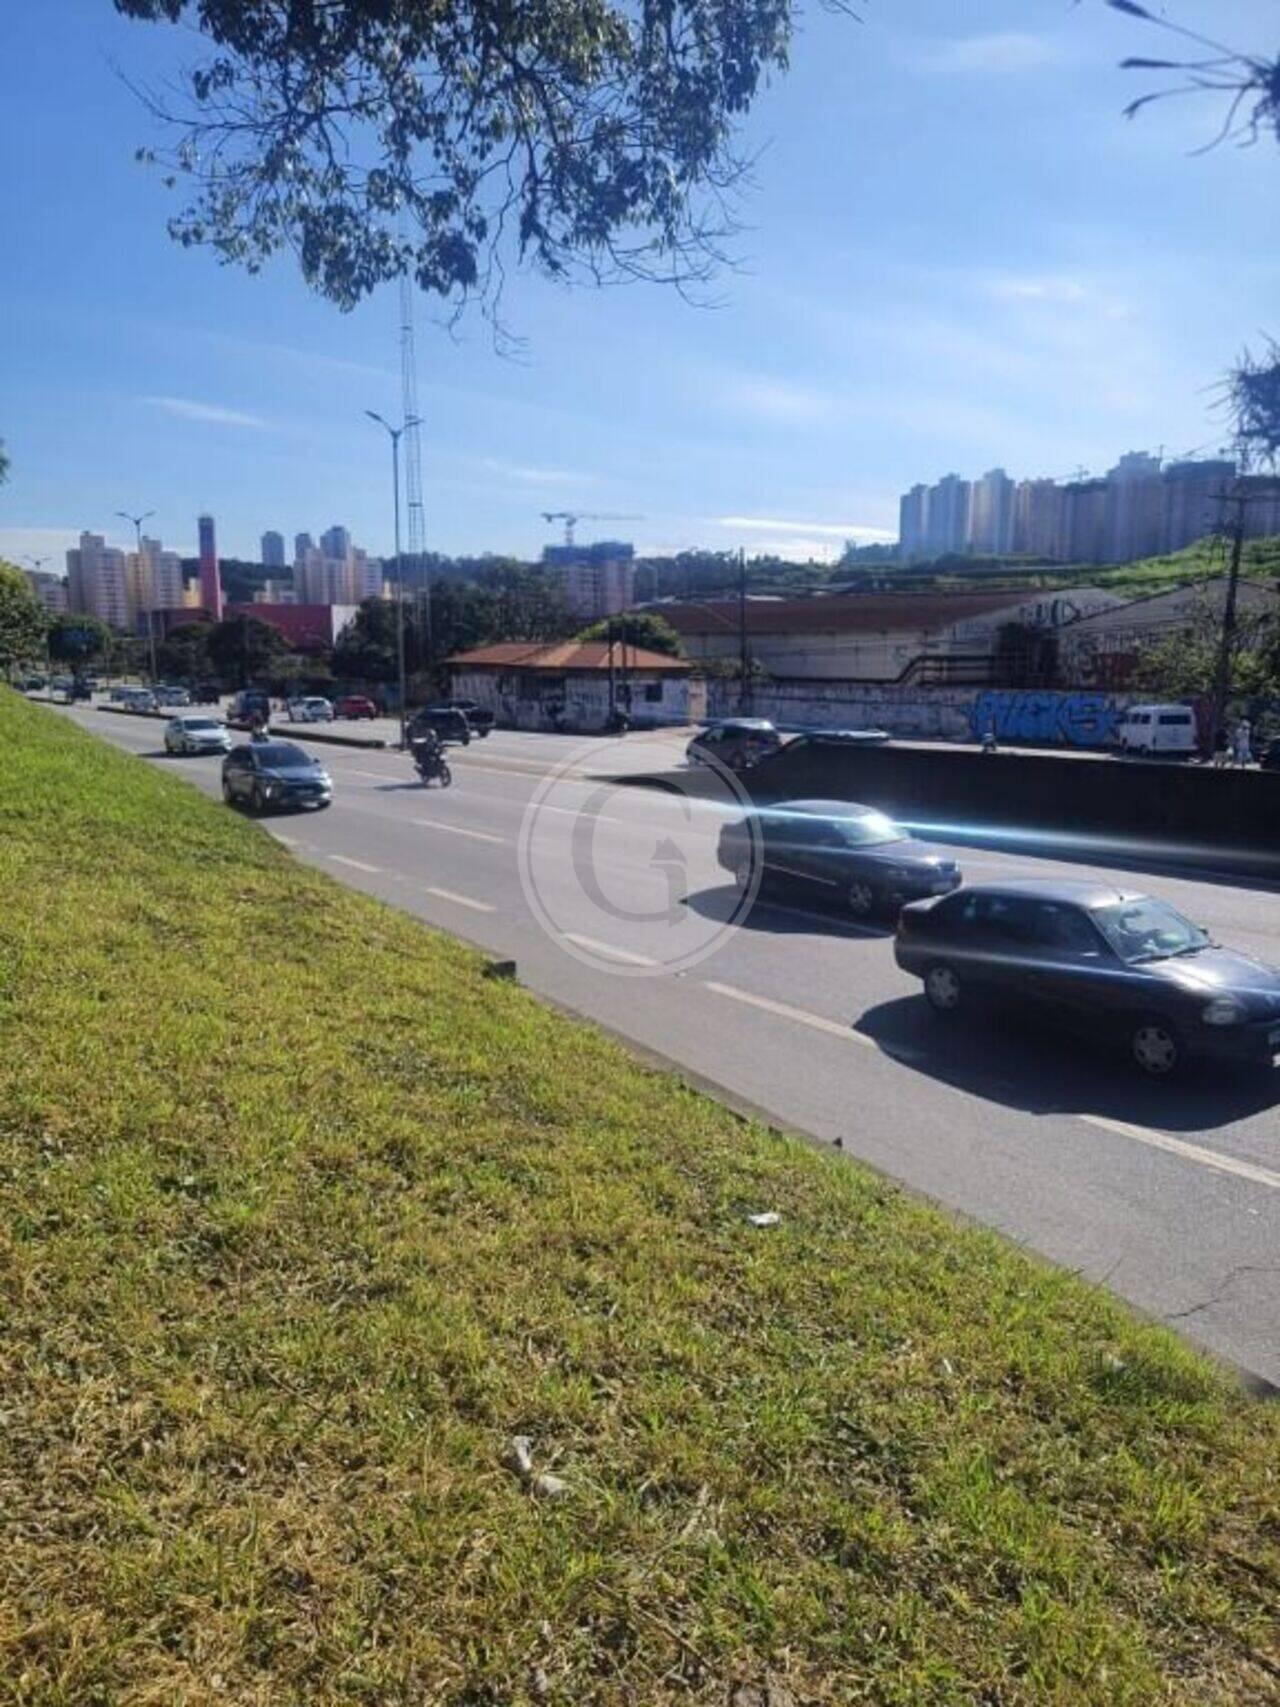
(937, 714)
(1116, 807)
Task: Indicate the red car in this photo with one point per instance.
(354, 705)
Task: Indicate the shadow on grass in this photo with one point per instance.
(1006, 1058)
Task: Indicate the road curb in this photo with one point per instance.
(366, 742)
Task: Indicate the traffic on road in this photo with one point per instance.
(999, 1030)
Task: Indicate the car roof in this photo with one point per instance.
(826, 808)
(742, 723)
(1080, 891)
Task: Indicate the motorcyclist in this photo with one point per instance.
(427, 750)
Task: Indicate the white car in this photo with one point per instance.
(171, 696)
(196, 734)
(312, 709)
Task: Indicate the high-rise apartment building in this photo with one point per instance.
(1193, 494)
(947, 517)
(1135, 508)
(599, 579)
(98, 581)
(1085, 521)
(991, 515)
(273, 549)
(322, 579)
(913, 523)
(1037, 519)
(154, 579)
(49, 590)
(302, 544)
(210, 578)
(335, 541)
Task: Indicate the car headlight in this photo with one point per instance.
(1223, 1010)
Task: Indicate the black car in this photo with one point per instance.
(738, 743)
(445, 721)
(274, 773)
(849, 854)
(1098, 960)
(479, 717)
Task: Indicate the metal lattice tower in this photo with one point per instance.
(415, 516)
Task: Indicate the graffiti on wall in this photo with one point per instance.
(1053, 719)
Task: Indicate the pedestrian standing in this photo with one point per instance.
(1244, 742)
(1221, 747)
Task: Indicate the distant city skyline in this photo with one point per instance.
(1042, 287)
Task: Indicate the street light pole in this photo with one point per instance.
(394, 434)
(151, 629)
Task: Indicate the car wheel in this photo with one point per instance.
(743, 876)
(1156, 1047)
(861, 900)
(257, 799)
(943, 990)
(228, 793)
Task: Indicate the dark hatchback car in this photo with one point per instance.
(841, 852)
(267, 774)
(445, 721)
(1108, 963)
(479, 717)
(738, 743)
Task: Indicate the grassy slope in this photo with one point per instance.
(300, 1219)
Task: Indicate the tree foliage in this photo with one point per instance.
(1184, 664)
(637, 628)
(243, 648)
(23, 625)
(374, 138)
(183, 655)
(77, 638)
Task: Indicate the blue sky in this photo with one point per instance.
(959, 254)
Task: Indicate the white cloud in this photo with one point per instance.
(1015, 288)
(821, 530)
(213, 414)
(776, 400)
(1002, 54)
(529, 475)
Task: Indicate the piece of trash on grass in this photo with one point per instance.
(770, 1218)
(518, 1456)
(549, 1487)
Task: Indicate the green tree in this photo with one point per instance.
(374, 138)
(76, 638)
(1184, 664)
(636, 628)
(366, 648)
(183, 654)
(23, 625)
(243, 649)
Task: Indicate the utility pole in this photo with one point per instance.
(1226, 647)
(150, 591)
(394, 434)
(744, 656)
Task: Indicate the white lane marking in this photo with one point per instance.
(608, 948)
(460, 900)
(377, 776)
(800, 1015)
(1189, 1152)
(355, 864)
(289, 841)
(457, 830)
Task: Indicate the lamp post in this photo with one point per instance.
(150, 594)
(394, 434)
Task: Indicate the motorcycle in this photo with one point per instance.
(429, 760)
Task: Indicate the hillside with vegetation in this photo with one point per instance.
(303, 1219)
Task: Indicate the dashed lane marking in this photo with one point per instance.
(608, 948)
(355, 864)
(1196, 1153)
(460, 900)
(458, 830)
(784, 1010)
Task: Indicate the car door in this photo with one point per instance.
(239, 773)
(1066, 962)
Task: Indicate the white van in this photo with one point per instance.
(1167, 730)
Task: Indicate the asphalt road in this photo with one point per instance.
(1170, 1195)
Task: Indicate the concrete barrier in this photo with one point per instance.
(1122, 809)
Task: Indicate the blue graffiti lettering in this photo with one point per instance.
(1056, 719)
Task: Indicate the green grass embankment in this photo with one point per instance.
(301, 1219)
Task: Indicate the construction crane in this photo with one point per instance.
(571, 518)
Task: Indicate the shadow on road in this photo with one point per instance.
(1003, 1059)
(781, 916)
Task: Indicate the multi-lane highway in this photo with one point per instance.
(1170, 1195)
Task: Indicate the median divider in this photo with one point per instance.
(307, 733)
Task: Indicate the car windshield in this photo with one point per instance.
(1144, 929)
(200, 723)
(280, 756)
(868, 829)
